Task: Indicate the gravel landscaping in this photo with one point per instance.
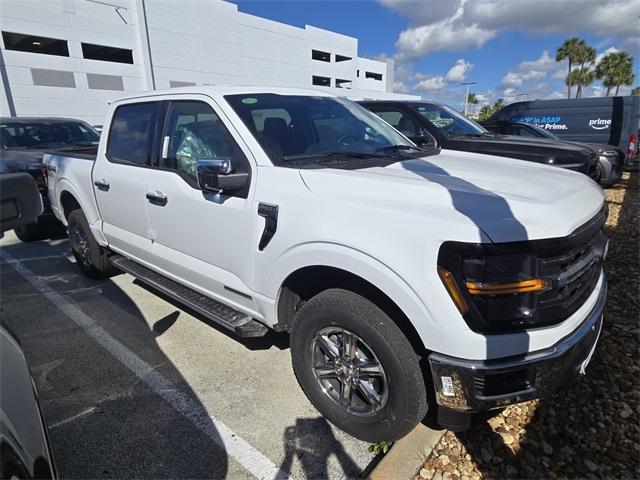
(591, 430)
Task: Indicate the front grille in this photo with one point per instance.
(573, 266)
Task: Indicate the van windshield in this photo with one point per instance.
(303, 128)
(43, 135)
(449, 122)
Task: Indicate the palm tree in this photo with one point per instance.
(473, 99)
(615, 69)
(636, 91)
(581, 78)
(570, 50)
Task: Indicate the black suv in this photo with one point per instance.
(611, 160)
(429, 123)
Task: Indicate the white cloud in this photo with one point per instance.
(430, 85)
(533, 70)
(458, 72)
(438, 83)
(456, 25)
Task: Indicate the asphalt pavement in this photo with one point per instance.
(131, 385)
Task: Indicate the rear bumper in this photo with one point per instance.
(475, 386)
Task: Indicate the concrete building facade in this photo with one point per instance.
(71, 57)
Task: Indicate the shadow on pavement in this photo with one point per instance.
(105, 421)
(301, 443)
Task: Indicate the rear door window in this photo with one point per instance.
(132, 133)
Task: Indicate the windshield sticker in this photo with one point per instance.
(249, 100)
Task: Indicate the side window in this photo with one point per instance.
(131, 133)
(400, 121)
(193, 131)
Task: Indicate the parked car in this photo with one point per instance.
(23, 141)
(429, 123)
(610, 120)
(611, 160)
(24, 446)
(396, 270)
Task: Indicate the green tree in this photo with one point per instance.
(473, 99)
(570, 50)
(636, 91)
(615, 69)
(581, 78)
(488, 110)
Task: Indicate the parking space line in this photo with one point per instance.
(66, 255)
(244, 453)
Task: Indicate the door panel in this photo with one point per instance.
(200, 239)
(119, 179)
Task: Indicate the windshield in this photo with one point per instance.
(303, 128)
(543, 132)
(448, 121)
(38, 135)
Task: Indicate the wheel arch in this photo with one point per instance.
(307, 282)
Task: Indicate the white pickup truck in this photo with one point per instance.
(407, 278)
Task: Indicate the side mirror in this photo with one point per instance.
(424, 141)
(217, 176)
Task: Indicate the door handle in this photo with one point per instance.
(102, 184)
(157, 198)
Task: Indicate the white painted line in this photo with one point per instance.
(235, 446)
(72, 418)
(66, 255)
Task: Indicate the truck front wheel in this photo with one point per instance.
(91, 257)
(357, 367)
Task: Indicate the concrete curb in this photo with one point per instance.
(404, 459)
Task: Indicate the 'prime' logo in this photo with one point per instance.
(600, 123)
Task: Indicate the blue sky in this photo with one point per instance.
(488, 39)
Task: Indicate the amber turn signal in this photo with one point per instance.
(452, 288)
(524, 286)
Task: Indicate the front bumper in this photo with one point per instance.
(475, 386)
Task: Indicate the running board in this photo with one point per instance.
(239, 323)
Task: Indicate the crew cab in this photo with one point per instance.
(23, 140)
(430, 123)
(401, 273)
(611, 160)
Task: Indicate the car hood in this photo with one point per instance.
(525, 147)
(20, 160)
(506, 199)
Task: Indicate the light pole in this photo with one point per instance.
(466, 97)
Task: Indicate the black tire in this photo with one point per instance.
(30, 232)
(378, 339)
(92, 259)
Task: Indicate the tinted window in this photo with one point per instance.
(400, 121)
(520, 131)
(193, 131)
(131, 133)
(106, 54)
(447, 120)
(35, 44)
(34, 135)
(294, 127)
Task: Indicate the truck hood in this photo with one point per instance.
(506, 199)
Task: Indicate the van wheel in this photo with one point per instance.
(29, 232)
(357, 367)
(92, 259)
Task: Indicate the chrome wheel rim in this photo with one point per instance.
(80, 245)
(348, 371)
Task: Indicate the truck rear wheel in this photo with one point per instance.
(29, 232)
(357, 367)
(92, 259)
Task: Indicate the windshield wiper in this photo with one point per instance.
(337, 153)
(396, 148)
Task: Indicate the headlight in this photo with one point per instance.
(520, 285)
